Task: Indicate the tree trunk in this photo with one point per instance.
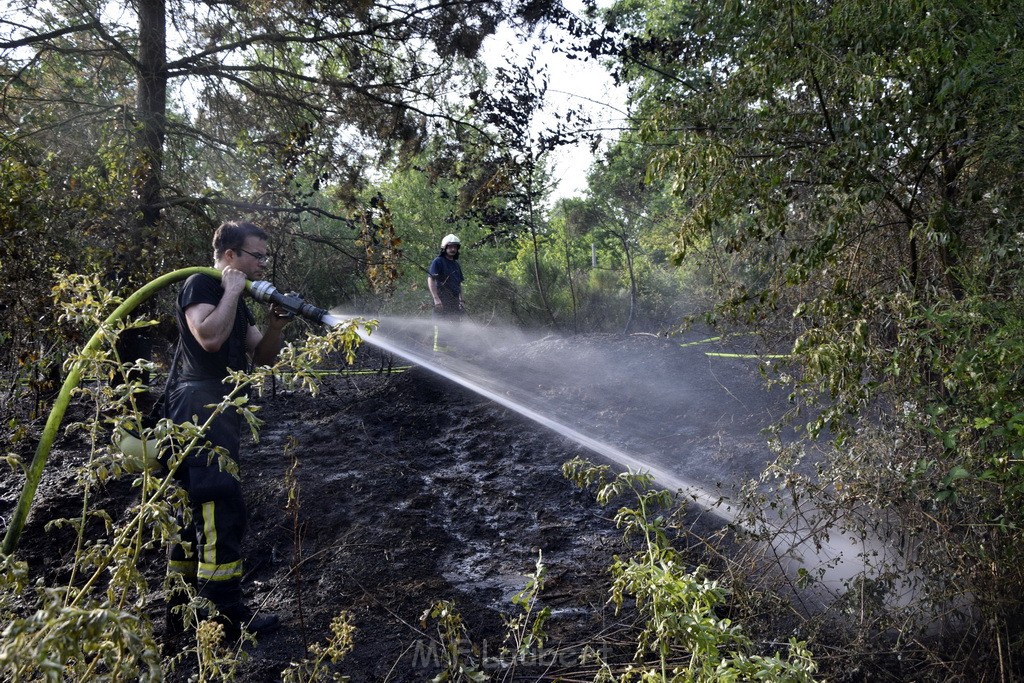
(536, 253)
(151, 107)
(572, 287)
(633, 291)
(536, 273)
(137, 247)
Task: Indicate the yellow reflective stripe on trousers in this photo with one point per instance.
(187, 568)
(220, 572)
(211, 570)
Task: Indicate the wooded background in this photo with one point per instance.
(842, 177)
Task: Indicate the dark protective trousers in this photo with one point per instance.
(449, 313)
(450, 309)
(210, 555)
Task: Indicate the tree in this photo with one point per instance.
(834, 116)
(521, 183)
(303, 86)
(129, 132)
(866, 152)
(625, 207)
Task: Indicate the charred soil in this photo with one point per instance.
(407, 490)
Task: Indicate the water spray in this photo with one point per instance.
(836, 559)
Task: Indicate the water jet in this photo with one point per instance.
(686, 436)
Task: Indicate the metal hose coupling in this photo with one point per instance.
(262, 290)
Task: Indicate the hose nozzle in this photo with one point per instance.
(262, 290)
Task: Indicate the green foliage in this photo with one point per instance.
(680, 637)
(579, 295)
(338, 645)
(849, 177)
(525, 636)
(966, 403)
(526, 631)
(86, 640)
(805, 129)
(94, 626)
(217, 658)
(458, 665)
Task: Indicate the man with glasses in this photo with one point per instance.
(218, 334)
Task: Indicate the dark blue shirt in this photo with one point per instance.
(448, 275)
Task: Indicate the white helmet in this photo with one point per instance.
(449, 239)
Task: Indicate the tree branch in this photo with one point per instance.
(46, 37)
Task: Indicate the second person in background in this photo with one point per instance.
(445, 279)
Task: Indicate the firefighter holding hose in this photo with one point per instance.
(218, 334)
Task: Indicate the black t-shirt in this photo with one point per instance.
(196, 362)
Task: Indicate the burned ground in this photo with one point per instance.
(410, 490)
(413, 491)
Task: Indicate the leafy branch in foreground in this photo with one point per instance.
(525, 632)
(680, 637)
(338, 645)
(94, 625)
(457, 660)
(462, 661)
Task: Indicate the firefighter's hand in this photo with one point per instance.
(279, 317)
(439, 306)
(233, 281)
(281, 312)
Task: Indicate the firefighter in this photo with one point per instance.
(218, 334)
(445, 280)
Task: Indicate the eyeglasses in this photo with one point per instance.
(262, 258)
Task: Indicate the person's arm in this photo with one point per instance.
(211, 325)
(265, 346)
(432, 286)
(462, 279)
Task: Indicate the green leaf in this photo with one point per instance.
(958, 472)
(983, 422)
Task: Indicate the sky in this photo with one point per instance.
(571, 83)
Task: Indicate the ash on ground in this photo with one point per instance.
(411, 490)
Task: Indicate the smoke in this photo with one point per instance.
(690, 410)
(667, 403)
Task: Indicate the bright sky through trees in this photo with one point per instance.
(572, 84)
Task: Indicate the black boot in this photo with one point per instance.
(240, 617)
(176, 608)
(234, 614)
